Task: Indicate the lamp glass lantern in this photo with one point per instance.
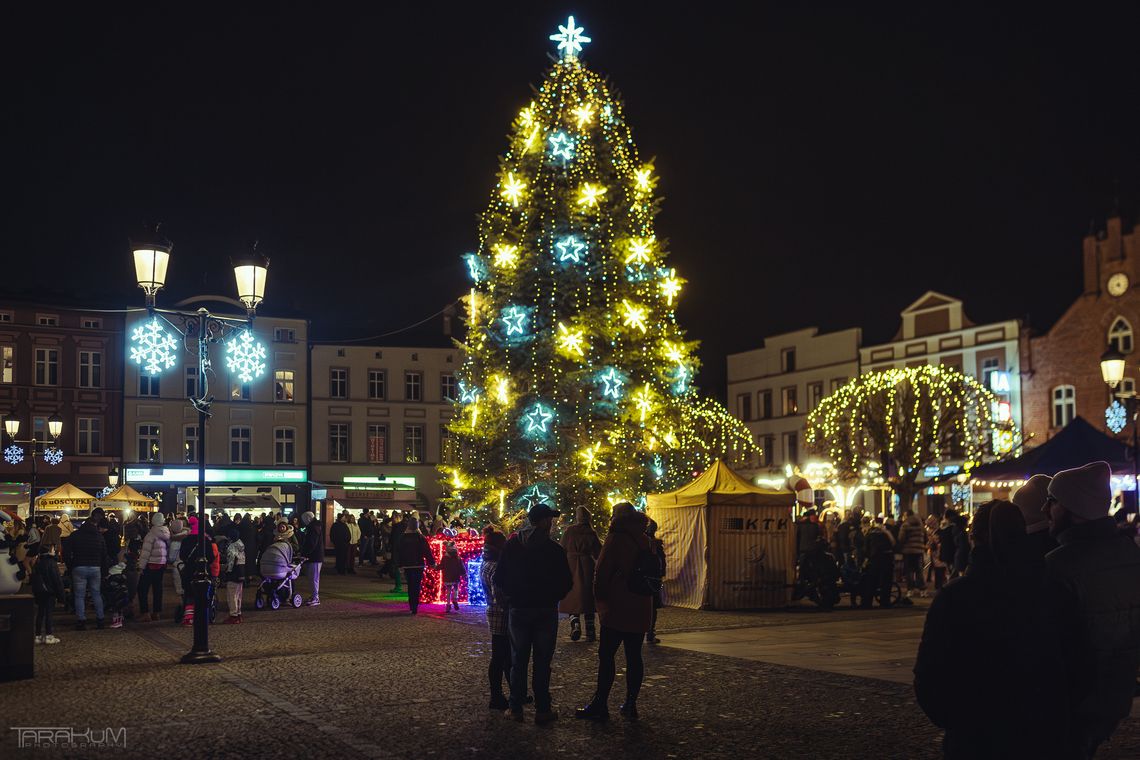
(250, 274)
(151, 263)
(1112, 367)
(55, 426)
(113, 477)
(12, 426)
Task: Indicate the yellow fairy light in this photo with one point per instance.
(528, 143)
(584, 114)
(512, 189)
(589, 194)
(571, 341)
(640, 250)
(643, 401)
(670, 439)
(670, 287)
(589, 457)
(503, 390)
(673, 352)
(506, 256)
(473, 304)
(641, 178)
(634, 315)
(526, 116)
(457, 480)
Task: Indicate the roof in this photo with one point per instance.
(66, 495)
(720, 485)
(1076, 445)
(133, 498)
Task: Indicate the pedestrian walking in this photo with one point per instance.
(534, 576)
(582, 546)
(1093, 587)
(47, 588)
(153, 558)
(912, 545)
(453, 571)
(411, 555)
(312, 548)
(339, 534)
(353, 543)
(234, 573)
(87, 558)
(626, 610)
(499, 667)
(657, 546)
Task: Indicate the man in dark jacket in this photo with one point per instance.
(339, 535)
(87, 558)
(807, 531)
(879, 565)
(367, 538)
(1094, 593)
(534, 576)
(398, 527)
(312, 548)
(412, 553)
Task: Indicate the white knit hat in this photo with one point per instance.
(1084, 491)
(1030, 498)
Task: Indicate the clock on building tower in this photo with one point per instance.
(1117, 284)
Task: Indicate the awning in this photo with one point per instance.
(251, 503)
(718, 484)
(1077, 444)
(66, 496)
(128, 498)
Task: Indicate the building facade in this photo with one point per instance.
(1061, 367)
(773, 389)
(66, 362)
(257, 438)
(379, 422)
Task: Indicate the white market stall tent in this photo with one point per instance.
(728, 544)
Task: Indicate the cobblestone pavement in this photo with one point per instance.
(360, 677)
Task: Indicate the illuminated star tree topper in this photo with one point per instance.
(570, 39)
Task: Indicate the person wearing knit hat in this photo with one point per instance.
(312, 548)
(1094, 583)
(1031, 499)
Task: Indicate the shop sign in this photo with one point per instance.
(999, 382)
(190, 475)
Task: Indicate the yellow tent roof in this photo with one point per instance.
(133, 498)
(65, 496)
(720, 485)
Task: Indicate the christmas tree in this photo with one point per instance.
(576, 387)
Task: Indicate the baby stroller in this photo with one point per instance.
(115, 595)
(275, 591)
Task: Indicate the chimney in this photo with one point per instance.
(1090, 264)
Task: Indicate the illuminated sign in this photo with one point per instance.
(999, 382)
(1003, 441)
(320, 493)
(933, 471)
(397, 482)
(1003, 411)
(190, 475)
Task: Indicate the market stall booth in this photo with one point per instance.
(728, 544)
(67, 498)
(127, 500)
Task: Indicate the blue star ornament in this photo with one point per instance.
(570, 248)
(612, 383)
(514, 320)
(562, 146)
(537, 419)
(533, 497)
(468, 394)
(570, 39)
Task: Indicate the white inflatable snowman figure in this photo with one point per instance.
(9, 567)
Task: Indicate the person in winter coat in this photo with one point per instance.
(453, 572)
(179, 530)
(657, 546)
(947, 539)
(1030, 499)
(340, 534)
(961, 542)
(411, 555)
(47, 588)
(399, 525)
(53, 534)
(353, 543)
(367, 538)
(1093, 588)
(190, 553)
(129, 556)
(153, 558)
(808, 530)
(234, 573)
(912, 545)
(626, 615)
(534, 576)
(87, 558)
(312, 548)
(499, 667)
(582, 547)
(991, 624)
(878, 565)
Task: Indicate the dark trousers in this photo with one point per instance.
(351, 563)
(912, 571)
(500, 665)
(415, 576)
(607, 669)
(877, 581)
(341, 560)
(533, 629)
(132, 589)
(151, 579)
(45, 605)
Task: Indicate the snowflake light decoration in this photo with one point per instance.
(13, 454)
(1116, 416)
(245, 356)
(153, 347)
(53, 456)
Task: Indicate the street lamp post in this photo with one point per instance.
(38, 447)
(1112, 363)
(152, 259)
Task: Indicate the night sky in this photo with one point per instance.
(820, 166)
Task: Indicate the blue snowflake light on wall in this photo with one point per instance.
(13, 454)
(1116, 416)
(245, 356)
(152, 347)
(53, 456)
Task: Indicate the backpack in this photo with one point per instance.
(645, 578)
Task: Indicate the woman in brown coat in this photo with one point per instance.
(582, 547)
(625, 615)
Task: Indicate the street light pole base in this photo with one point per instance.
(200, 658)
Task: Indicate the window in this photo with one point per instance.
(90, 435)
(47, 366)
(744, 406)
(765, 410)
(148, 385)
(1127, 387)
(240, 439)
(413, 444)
(338, 382)
(837, 383)
(7, 364)
(815, 395)
(47, 320)
(40, 430)
(767, 449)
(239, 391)
(413, 386)
(91, 323)
(448, 446)
(377, 444)
(447, 387)
(989, 366)
(149, 442)
(788, 360)
(1064, 405)
(190, 444)
(191, 374)
(90, 369)
(377, 383)
(284, 335)
(5, 316)
(792, 447)
(1120, 335)
(284, 446)
(283, 386)
(791, 405)
(338, 442)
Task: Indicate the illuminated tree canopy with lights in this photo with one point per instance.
(576, 387)
(905, 420)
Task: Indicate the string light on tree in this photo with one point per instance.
(584, 114)
(561, 146)
(152, 347)
(572, 342)
(506, 256)
(671, 287)
(640, 251)
(571, 249)
(513, 189)
(612, 383)
(589, 194)
(633, 315)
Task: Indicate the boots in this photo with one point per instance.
(591, 635)
(575, 628)
(629, 708)
(595, 710)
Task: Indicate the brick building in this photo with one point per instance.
(1061, 368)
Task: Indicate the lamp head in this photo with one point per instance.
(113, 477)
(250, 272)
(152, 257)
(1112, 367)
(55, 426)
(12, 425)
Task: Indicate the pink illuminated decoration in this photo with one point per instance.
(470, 588)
